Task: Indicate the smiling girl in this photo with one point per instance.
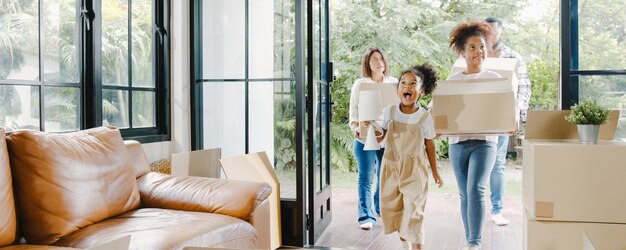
(410, 131)
(472, 157)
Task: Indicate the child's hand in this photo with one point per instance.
(438, 180)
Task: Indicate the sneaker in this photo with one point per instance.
(367, 225)
(499, 220)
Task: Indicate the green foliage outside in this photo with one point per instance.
(19, 49)
(588, 112)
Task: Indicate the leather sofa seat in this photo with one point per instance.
(81, 189)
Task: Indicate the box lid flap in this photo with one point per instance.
(543, 124)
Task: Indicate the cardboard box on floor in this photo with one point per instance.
(564, 180)
(204, 163)
(505, 67)
(257, 167)
(572, 235)
(478, 106)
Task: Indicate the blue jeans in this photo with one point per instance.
(497, 179)
(368, 162)
(472, 162)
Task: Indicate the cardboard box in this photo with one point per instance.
(545, 235)
(564, 180)
(552, 125)
(257, 167)
(505, 67)
(204, 163)
(479, 106)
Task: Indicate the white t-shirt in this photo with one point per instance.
(354, 97)
(427, 126)
(479, 75)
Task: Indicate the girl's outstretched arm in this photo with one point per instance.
(430, 152)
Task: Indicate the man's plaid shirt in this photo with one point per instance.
(523, 89)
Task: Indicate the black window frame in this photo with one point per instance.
(570, 71)
(88, 21)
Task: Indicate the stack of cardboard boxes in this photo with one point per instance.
(574, 194)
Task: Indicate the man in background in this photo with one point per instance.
(497, 179)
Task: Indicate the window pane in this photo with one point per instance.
(144, 109)
(272, 29)
(273, 129)
(602, 31)
(19, 50)
(115, 108)
(223, 117)
(609, 91)
(223, 39)
(61, 37)
(19, 107)
(142, 43)
(115, 43)
(62, 112)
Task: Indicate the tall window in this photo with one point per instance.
(594, 45)
(244, 55)
(67, 65)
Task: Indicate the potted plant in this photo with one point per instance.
(588, 115)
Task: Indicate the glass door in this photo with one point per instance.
(319, 80)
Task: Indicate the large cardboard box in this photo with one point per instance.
(546, 235)
(257, 167)
(564, 180)
(479, 106)
(204, 163)
(505, 67)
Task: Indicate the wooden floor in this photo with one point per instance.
(443, 225)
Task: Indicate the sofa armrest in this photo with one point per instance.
(261, 221)
(234, 198)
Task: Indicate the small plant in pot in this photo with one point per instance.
(588, 115)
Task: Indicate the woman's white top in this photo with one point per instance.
(354, 97)
(479, 75)
(427, 126)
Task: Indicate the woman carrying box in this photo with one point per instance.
(374, 69)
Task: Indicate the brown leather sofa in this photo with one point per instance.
(81, 189)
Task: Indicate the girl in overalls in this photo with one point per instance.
(409, 131)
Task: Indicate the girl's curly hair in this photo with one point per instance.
(427, 73)
(462, 31)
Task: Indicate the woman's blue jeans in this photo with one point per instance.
(472, 162)
(368, 162)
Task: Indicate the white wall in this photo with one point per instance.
(180, 87)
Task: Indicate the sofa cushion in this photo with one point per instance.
(64, 182)
(155, 229)
(7, 205)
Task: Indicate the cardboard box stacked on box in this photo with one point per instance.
(479, 106)
(574, 194)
